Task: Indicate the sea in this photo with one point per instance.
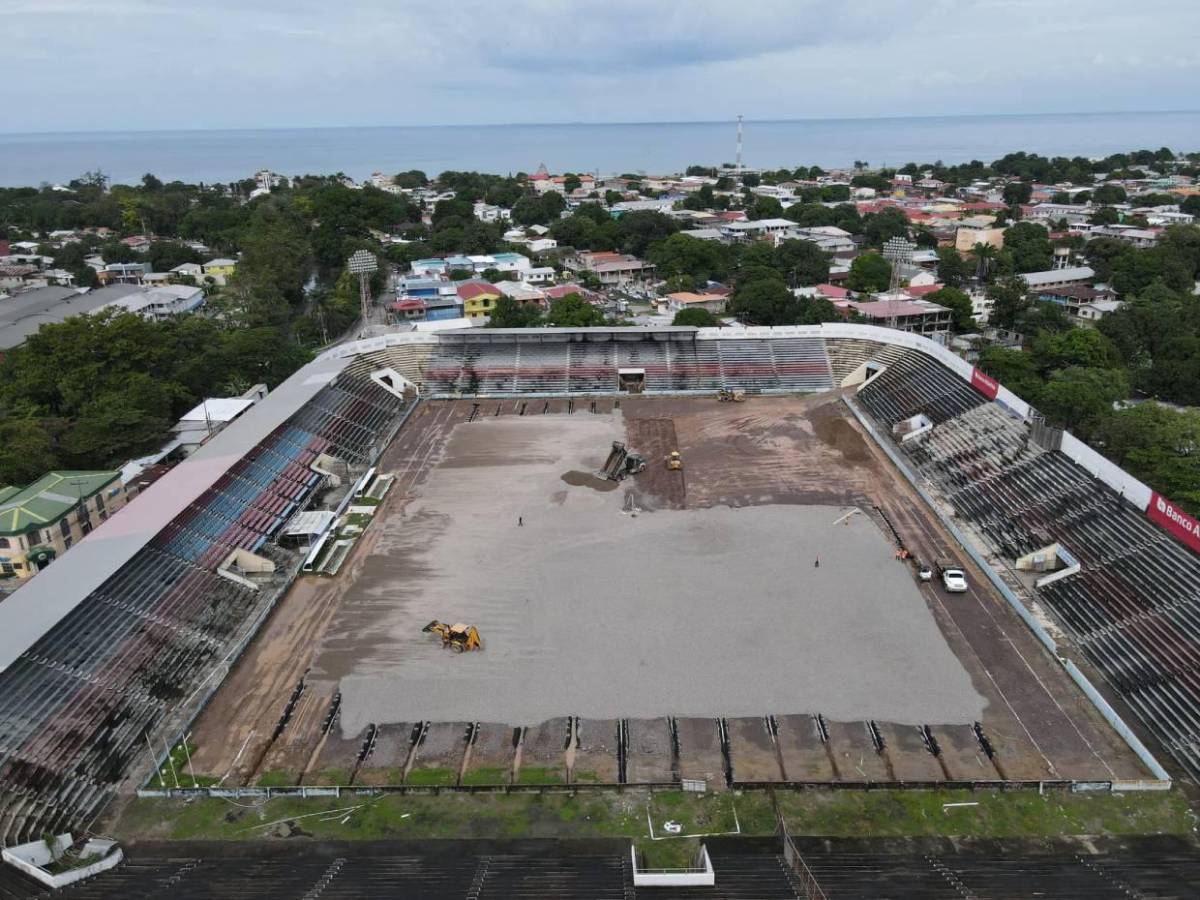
(644, 148)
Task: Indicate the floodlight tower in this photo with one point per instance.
(362, 264)
(899, 252)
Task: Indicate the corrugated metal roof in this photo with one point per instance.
(48, 499)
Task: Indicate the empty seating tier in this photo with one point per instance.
(1134, 606)
(76, 707)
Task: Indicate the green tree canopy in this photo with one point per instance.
(572, 311)
(695, 317)
(959, 304)
(1079, 398)
(869, 273)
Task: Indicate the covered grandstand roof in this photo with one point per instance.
(37, 606)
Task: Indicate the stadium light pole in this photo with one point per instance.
(362, 264)
(897, 251)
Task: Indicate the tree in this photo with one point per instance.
(638, 229)
(1030, 247)
(413, 178)
(1105, 215)
(508, 313)
(1157, 445)
(751, 179)
(27, 450)
(803, 262)
(1084, 347)
(572, 182)
(890, 222)
(869, 273)
(1014, 369)
(1190, 205)
(952, 269)
(1017, 192)
(959, 304)
(765, 208)
(1078, 398)
(682, 254)
(1009, 299)
(695, 317)
(1109, 194)
(572, 311)
(765, 301)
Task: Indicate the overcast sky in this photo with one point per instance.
(75, 65)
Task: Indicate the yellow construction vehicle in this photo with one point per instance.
(727, 396)
(458, 637)
(674, 461)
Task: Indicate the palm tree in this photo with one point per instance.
(984, 254)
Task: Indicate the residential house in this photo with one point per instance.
(759, 229)
(523, 294)
(613, 269)
(478, 298)
(14, 278)
(195, 271)
(544, 182)
(681, 300)
(409, 309)
(1097, 310)
(1129, 234)
(40, 522)
(829, 238)
(162, 302)
(1074, 297)
(443, 307)
(220, 270)
(124, 273)
(487, 212)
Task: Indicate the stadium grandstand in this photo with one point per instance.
(108, 654)
(745, 869)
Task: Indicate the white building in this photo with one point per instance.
(759, 229)
(162, 302)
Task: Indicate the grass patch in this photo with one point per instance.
(487, 775)
(276, 779)
(673, 854)
(432, 777)
(339, 777)
(176, 767)
(624, 814)
(999, 814)
(541, 775)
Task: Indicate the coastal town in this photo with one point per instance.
(1042, 271)
(679, 512)
(1036, 269)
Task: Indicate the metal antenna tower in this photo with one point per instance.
(738, 156)
(362, 264)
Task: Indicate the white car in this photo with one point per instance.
(954, 580)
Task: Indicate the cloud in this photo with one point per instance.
(248, 63)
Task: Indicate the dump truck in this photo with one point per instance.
(674, 461)
(727, 396)
(459, 637)
(621, 463)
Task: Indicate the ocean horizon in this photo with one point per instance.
(218, 155)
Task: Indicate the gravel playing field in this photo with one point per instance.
(590, 610)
